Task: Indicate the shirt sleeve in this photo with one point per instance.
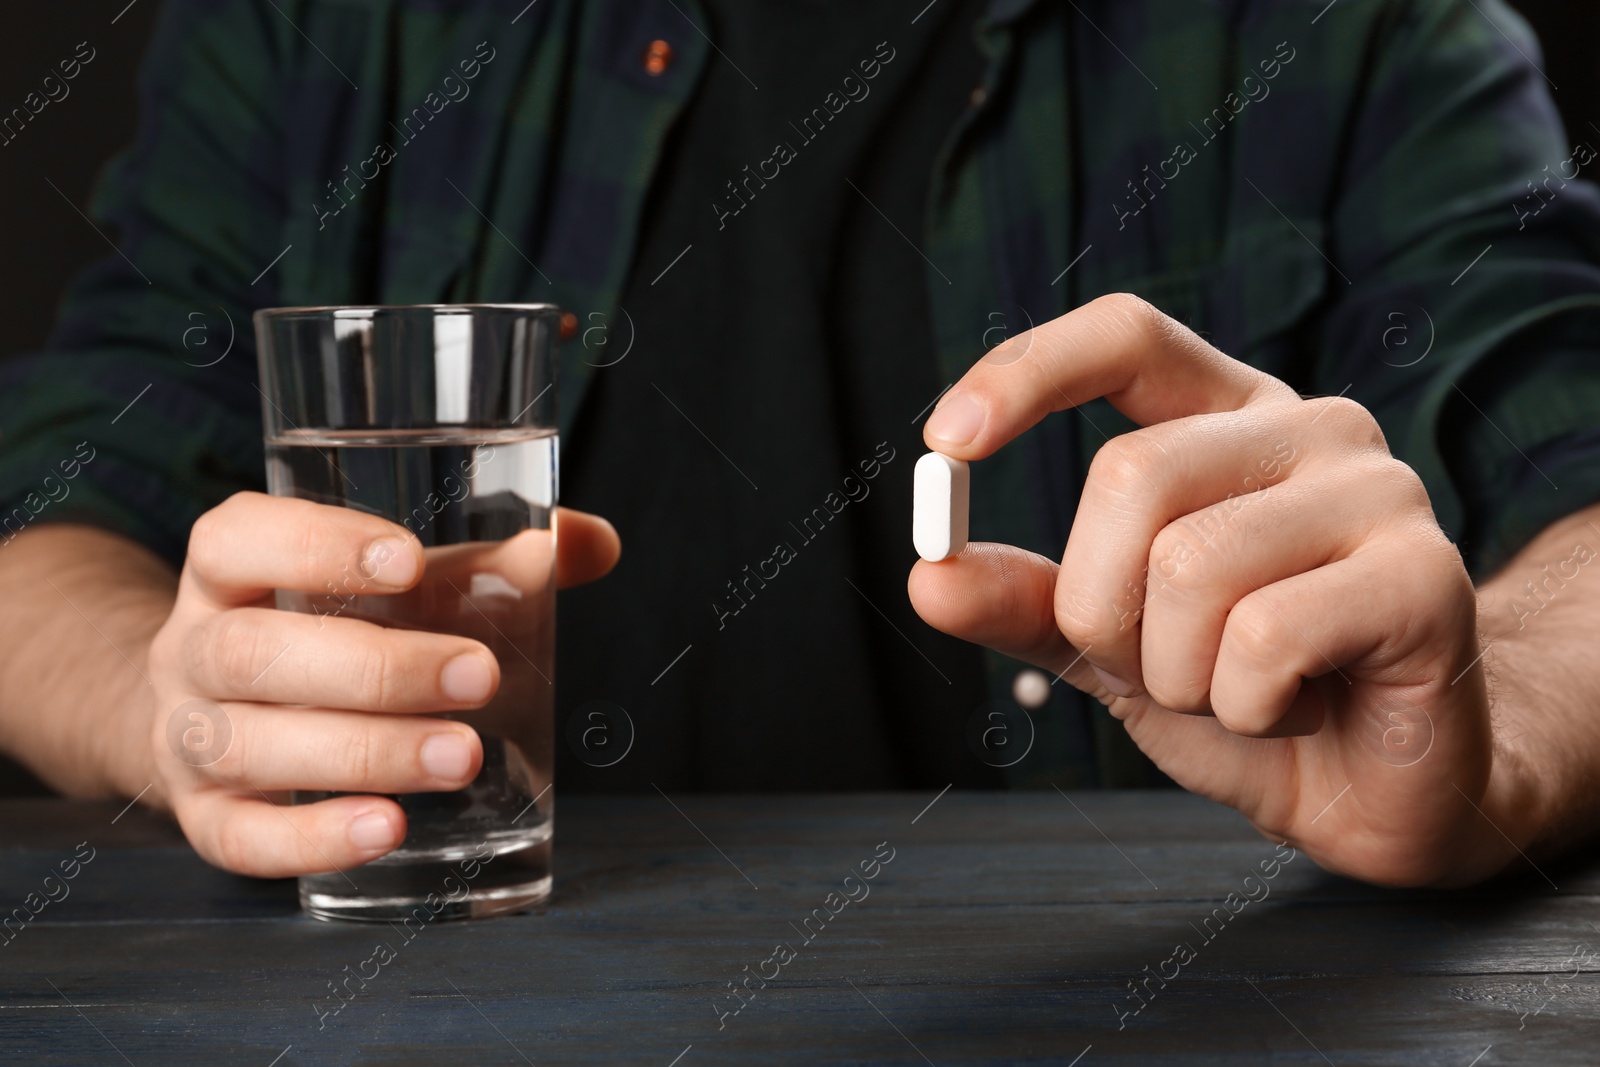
(1472, 328)
(142, 412)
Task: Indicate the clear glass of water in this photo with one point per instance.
(441, 418)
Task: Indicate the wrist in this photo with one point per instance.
(1511, 817)
(1509, 824)
(123, 721)
(77, 705)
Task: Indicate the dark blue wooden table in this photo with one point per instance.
(994, 929)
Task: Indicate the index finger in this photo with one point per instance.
(1149, 366)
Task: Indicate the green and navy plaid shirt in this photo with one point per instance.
(1367, 197)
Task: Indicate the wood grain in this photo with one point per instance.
(1006, 930)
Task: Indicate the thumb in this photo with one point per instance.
(1003, 598)
(587, 547)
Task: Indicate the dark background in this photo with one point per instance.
(45, 241)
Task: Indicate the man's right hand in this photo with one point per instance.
(318, 702)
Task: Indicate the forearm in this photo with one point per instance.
(74, 704)
(1540, 621)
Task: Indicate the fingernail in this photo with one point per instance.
(447, 756)
(1117, 686)
(390, 561)
(467, 679)
(956, 421)
(372, 831)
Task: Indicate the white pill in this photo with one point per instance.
(939, 506)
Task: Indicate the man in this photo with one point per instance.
(780, 234)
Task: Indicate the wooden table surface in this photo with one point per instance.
(1005, 929)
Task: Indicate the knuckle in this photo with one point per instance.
(1172, 560)
(235, 848)
(1085, 622)
(305, 540)
(1407, 486)
(1123, 466)
(359, 758)
(227, 651)
(374, 674)
(204, 536)
(209, 535)
(1134, 310)
(1145, 320)
(1350, 421)
(244, 752)
(1254, 632)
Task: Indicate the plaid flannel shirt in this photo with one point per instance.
(1370, 197)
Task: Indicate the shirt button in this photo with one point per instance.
(657, 57)
(979, 95)
(569, 325)
(1031, 689)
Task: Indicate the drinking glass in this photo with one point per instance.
(441, 418)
